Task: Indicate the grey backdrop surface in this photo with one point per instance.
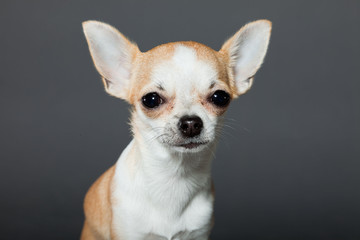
(288, 166)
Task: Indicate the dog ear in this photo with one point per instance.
(245, 52)
(113, 55)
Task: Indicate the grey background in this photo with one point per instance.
(287, 166)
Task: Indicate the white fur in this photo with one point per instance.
(247, 49)
(160, 198)
(112, 55)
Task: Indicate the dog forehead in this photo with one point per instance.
(184, 63)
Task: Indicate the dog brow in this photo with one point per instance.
(160, 87)
(212, 84)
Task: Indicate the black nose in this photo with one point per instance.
(190, 126)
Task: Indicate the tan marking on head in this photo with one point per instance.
(144, 63)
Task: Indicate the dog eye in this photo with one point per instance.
(220, 98)
(152, 100)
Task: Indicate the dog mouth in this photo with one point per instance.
(191, 145)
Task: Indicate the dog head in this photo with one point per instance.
(179, 91)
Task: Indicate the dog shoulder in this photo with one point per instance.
(97, 205)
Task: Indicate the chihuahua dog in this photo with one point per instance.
(160, 187)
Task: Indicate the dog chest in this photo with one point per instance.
(142, 220)
(159, 206)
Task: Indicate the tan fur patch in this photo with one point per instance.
(144, 63)
(97, 207)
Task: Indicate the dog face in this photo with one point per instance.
(179, 91)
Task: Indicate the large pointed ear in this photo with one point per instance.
(112, 54)
(245, 52)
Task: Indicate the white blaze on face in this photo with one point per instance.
(185, 76)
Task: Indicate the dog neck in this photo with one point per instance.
(171, 177)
